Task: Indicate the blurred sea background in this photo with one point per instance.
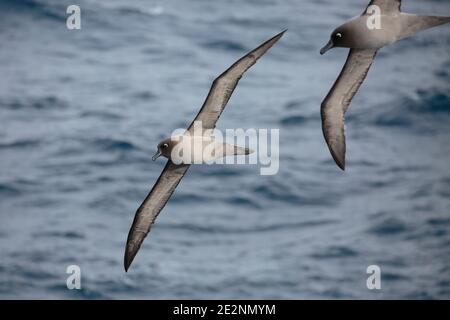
(81, 113)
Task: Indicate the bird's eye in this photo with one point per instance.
(165, 145)
(339, 35)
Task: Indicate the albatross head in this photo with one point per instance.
(164, 149)
(335, 39)
(343, 37)
(356, 34)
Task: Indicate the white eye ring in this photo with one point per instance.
(165, 145)
(339, 35)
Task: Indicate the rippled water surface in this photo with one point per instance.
(82, 111)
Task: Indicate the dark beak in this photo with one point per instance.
(157, 155)
(328, 46)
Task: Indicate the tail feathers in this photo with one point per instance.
(242, 151)
(412, 24)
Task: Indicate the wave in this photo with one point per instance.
(431, 102)
(390, 226)
(109, 144)
(101, 115)
(307, 196)
(429, 108)
(39, 103)
(59, 234)
(19, 144)
(52, 10)
(225, 45)
(154, 11)
(335, 252)
(293, 120)
(9, 191)
(214, 229)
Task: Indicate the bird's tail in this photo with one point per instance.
(412, 24)
(242, 151)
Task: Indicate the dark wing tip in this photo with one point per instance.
(134, 242)
(272, 40)
(129, 257)
(126, 264)
(339, 158)
(278, 36)
(269, 43)
(337, 150)
(333, 132)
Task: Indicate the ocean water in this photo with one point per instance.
(81, 112)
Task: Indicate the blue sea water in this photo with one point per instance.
(81, 112)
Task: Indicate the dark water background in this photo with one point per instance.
(82, 111)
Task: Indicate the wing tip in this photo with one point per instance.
(133, 245)
(278, 36)
(338, 157)
(340, 163)
(275, 38)
(337, 148)
(129, 257)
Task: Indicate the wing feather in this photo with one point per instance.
(218, 96)
(386, 6)
(223, 86)
(338, 99)
(151, 207)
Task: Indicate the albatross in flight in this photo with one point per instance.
(184, 150)
(364, 37)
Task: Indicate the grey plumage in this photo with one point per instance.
(363, 43)
(338, 99)
(386, 6)
(151, 207)
(412, 24)
(224, 85)
(218, 96)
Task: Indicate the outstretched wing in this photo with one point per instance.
(338, 99)
(386, 6)
(224, 85)
(218, 96)
(151, 207)
(411, 24)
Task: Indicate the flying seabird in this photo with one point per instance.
(364, 38)
(184, 150)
